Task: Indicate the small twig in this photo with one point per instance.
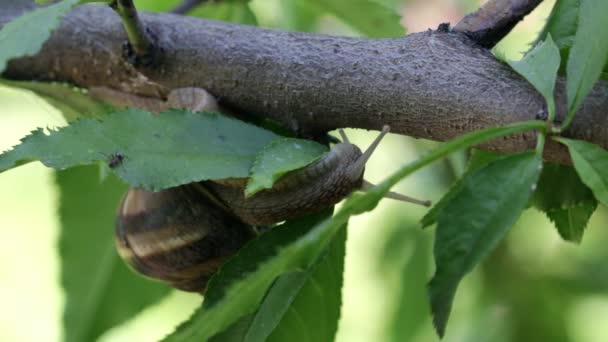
(139, 49)
(186, 6)
(494, 20)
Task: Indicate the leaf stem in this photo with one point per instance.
(461, 142)
(140, 48)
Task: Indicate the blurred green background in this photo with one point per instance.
(534, 287)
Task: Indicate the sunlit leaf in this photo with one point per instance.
(101, 292)
(475, 220)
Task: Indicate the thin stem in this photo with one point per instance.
(540, 142)
(138, 38)
(186, 6)
(461, 142)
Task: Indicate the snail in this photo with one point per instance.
(182, 235)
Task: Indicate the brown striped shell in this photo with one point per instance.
(177, 235)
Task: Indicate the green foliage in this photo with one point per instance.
(368, 17)
(231, 11)
(478, 160)
(539, 67)
(561, 25)
(14, 42)
(72, 102)
(315, 311)
(565, 199)
(101, 292)
(280, 157)
(239, 287)
(589, 53)
(591, 164)
(475, 220)
(160, 151)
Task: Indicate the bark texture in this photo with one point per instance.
(434, 85)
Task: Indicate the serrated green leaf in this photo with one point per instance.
(560, 187)
(571, 222)
(73, 102)
(101, 292)
(280, 157)
(565, 199)
(158, 151)
(539, 66)
(368, 17)
(589, 52)
(25, 35)
(479, 159)
(591, 164)
(476, 219)
(315, 313)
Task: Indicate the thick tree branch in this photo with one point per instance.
(433, 85)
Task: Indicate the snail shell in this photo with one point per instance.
(177, 235)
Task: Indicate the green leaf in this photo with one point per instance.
(72, 101)
(479, 159)
(539, 66)
(369, 17)
(299, 15)
(591, 164)
(280, 157)
(476, 219)
(240, 285)
(571, 222)
(237, 12)
(589, 52)
(275, 305)
(299, 305)
(561, 25)
(565, 200)
(227, 299)
(404, 266)
(25, 35)
(315, 313)
(158, 151)
(101, 292)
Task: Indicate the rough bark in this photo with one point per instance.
(432, 85)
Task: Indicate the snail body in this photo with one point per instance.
(182, 235)
(300, 192)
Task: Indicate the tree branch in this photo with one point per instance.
(494, 20)
(434, 85)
